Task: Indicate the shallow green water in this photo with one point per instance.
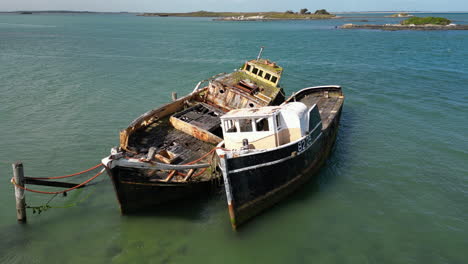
(395, 189)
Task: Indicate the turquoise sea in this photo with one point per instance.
(395, 189)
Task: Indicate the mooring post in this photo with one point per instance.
(174, 96)
(18, 175)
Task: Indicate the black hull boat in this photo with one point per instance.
(258, 173)
(137, 195)
(169, 154)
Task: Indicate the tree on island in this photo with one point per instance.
(303, 11)
(289, 12)
(321, 12)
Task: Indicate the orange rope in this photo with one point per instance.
(200, 173)
(71, 175)
(67, 190)
(195, 175)
(204, 156)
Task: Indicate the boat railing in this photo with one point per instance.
(293, 97)
(209, 79)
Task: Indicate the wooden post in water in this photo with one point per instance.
(174, 96)
(18, 175)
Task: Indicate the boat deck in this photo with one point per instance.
(182, 147)
(174, 146)
(327, 106)
(162, 136)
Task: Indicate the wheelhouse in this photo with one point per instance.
(265, 127)
(263, 69)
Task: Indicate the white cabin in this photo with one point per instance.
(265, 127)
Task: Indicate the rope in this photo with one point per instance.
(195, 175)
(204, 156)
(64, 191)
(75, 203)
(71, 175)
(41, 208)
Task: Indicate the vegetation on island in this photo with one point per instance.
(413, 23)
(289, 14)
(305, 11)
(321, 12)
(426, 21)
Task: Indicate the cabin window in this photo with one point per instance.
(245, 125)
(255, 70)
(260, 73)
(278, 122)
(267, 76)
(274, 79)
(262, 124)
(248, 67)
(229, 126)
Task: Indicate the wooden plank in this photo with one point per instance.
(170, 176)
(194, 131)
(189, 175)
(134, 163)
(29, 180)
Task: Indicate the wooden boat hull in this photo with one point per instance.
(150, 166)
(138, 195)
(255, 182)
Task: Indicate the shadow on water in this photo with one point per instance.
(333, 167)
(190, 208)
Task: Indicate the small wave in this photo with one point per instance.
(26, 25)
(128, 57)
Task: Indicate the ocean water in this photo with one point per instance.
(395, 189)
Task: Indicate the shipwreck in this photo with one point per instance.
(234, 129)
(168, 153)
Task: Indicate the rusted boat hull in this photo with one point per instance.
(135, 195)
(256, 182)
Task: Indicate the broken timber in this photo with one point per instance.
(30, 180)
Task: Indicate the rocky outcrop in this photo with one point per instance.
(240, 18)
(401, 15)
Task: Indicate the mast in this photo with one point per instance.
(260, 53)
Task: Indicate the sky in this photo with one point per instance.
(234, 5)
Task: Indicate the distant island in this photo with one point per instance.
(400, 15)
(58, 12)
(303, 14)
(413, 23)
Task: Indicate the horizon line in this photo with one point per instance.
(361, 11)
